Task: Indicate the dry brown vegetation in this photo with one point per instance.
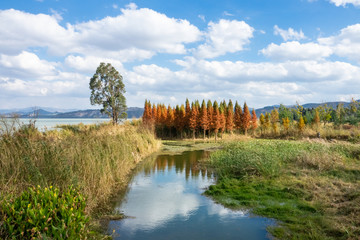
(95, 158)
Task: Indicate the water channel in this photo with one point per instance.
(164, 201)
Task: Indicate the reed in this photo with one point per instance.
(97, 159)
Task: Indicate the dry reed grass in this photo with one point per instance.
(98, 159)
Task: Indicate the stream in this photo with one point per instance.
(165, 200)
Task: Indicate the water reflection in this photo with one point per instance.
(164, 201)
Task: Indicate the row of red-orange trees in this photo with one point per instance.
(208, 118)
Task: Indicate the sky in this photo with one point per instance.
(259, 51)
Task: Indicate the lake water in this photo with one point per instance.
(50, 123)
(164, 201)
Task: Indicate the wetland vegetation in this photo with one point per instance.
(96, 159)
(302, 173)
(311, 187)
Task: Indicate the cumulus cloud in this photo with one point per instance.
(26, 65)
(282, 82)
(21, 30)
(296, 51)
(88, 64)
(141, 29)
(289, 34)
(300, 71)
(225, 37)
(346, 43)
(343, 3)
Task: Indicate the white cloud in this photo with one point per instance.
(225, 37)
(343, 3)
(88, 64)
(345, 44)
(296, 51)
(135, 29)
(299, 71)
(56, 15)
(289, 34)
(26, 65)
(21, 30)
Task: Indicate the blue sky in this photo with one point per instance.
(260, 51)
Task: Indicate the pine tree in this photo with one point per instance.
(182, 115)
(146, 118)
(222, 120)
(210, 113)
(216, 124)
(170, 119)
(246, 117)
(316, 120)
(267, 122)
(262, 123)
(237, 116)
(254, 121)
(153, 115)
(193, 119)
(274, 120)
(230, 117)
(204, 123)
(286, 124)
(187, 114)
(301, 125)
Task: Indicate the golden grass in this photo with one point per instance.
(98, 159)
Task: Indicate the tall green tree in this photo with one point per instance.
(107, 89)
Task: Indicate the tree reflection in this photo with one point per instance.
(187, 161)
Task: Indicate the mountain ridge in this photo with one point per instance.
(133, 112)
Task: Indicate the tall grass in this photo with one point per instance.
(96, 159)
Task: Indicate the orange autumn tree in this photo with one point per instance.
(216, 124)
(147, 115)
(207, 117)
(180, 119)
(254, 121)
(193, 119)
(237, 116)
(153, 114)
(170, 118)
(187, 114)
(246, 117)
(204, 123)
(210, 113)
(222, 120)
(230, 117)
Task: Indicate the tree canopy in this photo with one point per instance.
(107, 89)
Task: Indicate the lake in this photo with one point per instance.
(165, 201)
(49, 123)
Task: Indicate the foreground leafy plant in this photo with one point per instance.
(44, 212)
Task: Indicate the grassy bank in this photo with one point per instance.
(96, 159)
(311, 187)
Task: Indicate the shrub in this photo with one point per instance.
(44, 213)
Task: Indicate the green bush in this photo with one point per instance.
(44, 213)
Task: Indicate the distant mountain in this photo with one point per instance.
(29, 110)
(133, 112)
(268, 109)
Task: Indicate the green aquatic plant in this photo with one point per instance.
(44, 213)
